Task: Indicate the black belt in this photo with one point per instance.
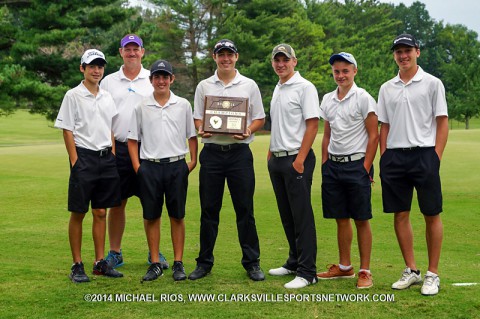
(224, 148)
(100, 153)
(415, 148)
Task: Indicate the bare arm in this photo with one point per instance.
(371, 125)
(133, 152)
(325, 141)
(199, 127)
(442, 135)
(254, 126)
(384, 129)
(307, 142)
(70, 145)
(193, 147)
(113, 144)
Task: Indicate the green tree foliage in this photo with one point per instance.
(42, 42)
(47, 45)
(459, 50)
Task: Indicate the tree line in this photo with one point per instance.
(42, 42)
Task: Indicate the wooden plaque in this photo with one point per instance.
(225, 115)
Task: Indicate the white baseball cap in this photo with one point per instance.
(343, 56)
(92, 54)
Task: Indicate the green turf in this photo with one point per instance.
(35, 256)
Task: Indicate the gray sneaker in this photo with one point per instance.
(408, 278)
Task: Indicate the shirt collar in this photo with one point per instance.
(417, 77)
(171, 101)
(296, 76)
(144, 73)
(350, 92)
(86, 92)
(235, 80)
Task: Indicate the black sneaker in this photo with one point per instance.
(102, 268)
(78, 273)
(178, 271)
(153, 272)
(255, 273)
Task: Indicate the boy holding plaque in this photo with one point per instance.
(227, 156)
(163, 122)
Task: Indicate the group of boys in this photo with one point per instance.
(134, 143)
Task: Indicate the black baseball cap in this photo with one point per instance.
(405, 39)
(161, 66)
(225, 44)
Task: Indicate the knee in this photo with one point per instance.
(99, 213)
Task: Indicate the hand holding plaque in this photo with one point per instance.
(225, 115)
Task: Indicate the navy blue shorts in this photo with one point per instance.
(128, 178)
(159, 181)
(346, 190)
(94, 179)
(402, 170)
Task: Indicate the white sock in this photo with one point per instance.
(365, 270)
(429, 273)
(345, 268)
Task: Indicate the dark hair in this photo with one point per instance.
(161, 73)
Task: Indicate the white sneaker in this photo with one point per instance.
(300, 282)
(280, 271)
(408, 278)
(431, 284)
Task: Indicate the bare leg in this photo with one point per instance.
(152, 230)
(364, 238)
(116, 225)
(99, 228)
(178, 237)
(434, 235)
(344, 239)
(75, 235)
(404, 232)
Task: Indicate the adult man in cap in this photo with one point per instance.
(413, 111)
(349, 145)
(228, 157)
(128, 86)
(295, 112)
(94, 178)
(163, 122)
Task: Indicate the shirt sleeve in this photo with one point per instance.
(66, 114)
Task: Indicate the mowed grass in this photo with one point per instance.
(35, 255)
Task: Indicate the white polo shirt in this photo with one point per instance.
(126, 94)
(411, 109)
(241, 86)
(293, 102)
(347, 120)
(162, 130)
(89, 117)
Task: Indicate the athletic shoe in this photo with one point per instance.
(102, 268)
(282, 271)
(154, 271)
(408, 278)
(114, 259)
(78, 273)
(163, 261)
(255, 273)
(300, 282)
(334, 272)
(431, 284)
(178, 271)
(364, 280)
